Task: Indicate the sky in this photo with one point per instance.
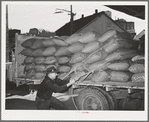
(26, 15)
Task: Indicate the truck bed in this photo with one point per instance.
(128, 85)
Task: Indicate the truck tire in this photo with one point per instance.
(92, 99)
(110, 98)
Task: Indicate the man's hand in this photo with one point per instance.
(72, 81)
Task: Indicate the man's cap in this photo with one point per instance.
(51, 70)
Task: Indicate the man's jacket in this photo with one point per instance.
(48, 86)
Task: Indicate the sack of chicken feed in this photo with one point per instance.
(64, 69)
(40, 68)
(107, 35)
(138, 77)
(48, 42)
(114, 34)
(38, 52)
(28, 43)
(76, 47)
(113, 57)
(39, 60)
(59, 42)
(29, 66)
(100, 76)
(92, 46)
(27, 52)
(113, 44)
(126, 53)
(39, 75)
(29, 60)
(73, 38)
(119, 66)
(99, 65)
(78, 57)
(119, 76)
(30, 73)
(50, 60)
(99, 55)
(63, 60)
(137, 68)
(49, 51)
(62, 51)
(37, 44)
(89, 36)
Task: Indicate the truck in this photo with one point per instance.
(86, 95)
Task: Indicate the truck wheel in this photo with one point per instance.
(114, 99)
(92, 99)
(110, 98)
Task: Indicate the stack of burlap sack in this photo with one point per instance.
(107, 56)
(138, 69)
(44, 53)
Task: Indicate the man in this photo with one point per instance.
(50, 84)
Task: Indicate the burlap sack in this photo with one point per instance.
(76, 47)
(121, 66)
(138, 77)
(100, 76)
(137, 68)
(119, 76)
(39, 60)
(91, 47)
(113, 57)
(107, 35)
(38, 52)
(48, 42)
(99, 55)
(29, 60)
(63, 60)
(59, 42)
(62, 51)
(89, 36)
(40, 68)
(49, 51)
(29, 67)
(37, 44)
(27, 52)
(73, 38)
(50, 60)
(28, 43)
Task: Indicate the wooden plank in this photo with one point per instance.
(128, 85)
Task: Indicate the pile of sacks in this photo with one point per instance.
(107, 56)
(42, 54)
(138, 69)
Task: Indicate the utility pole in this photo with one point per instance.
(71, 21)
(71, 17)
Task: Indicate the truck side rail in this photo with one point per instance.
(111, 84)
